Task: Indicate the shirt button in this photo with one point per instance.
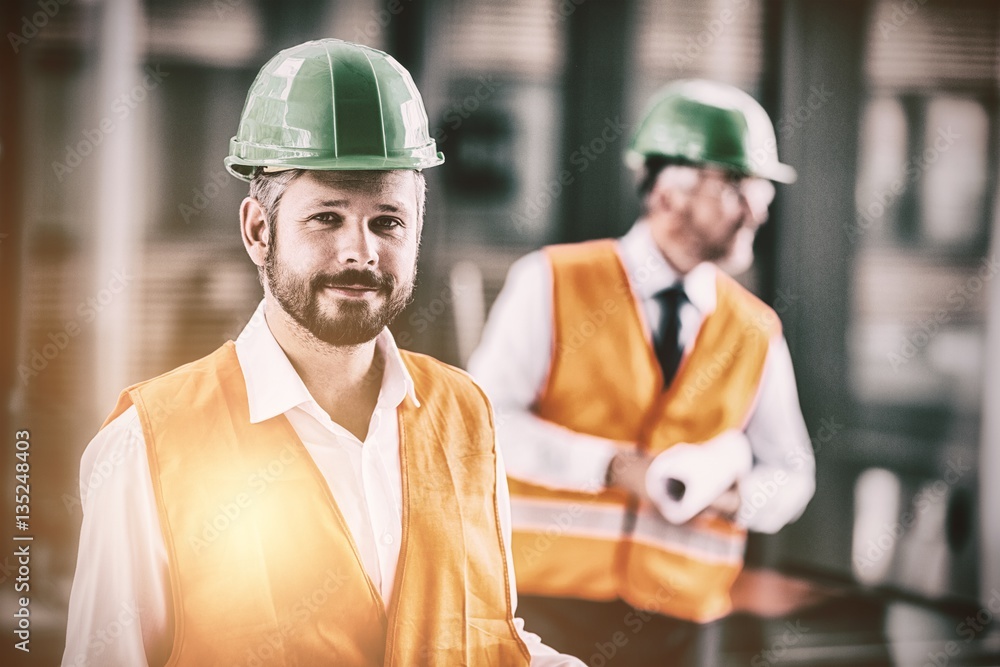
(387, 539)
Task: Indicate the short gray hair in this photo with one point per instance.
(267, 189)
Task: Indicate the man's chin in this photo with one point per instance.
(740, 256)
(330, 307)
(354, 325)
(346, 334)
(334, 321)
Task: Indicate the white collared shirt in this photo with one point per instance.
(120, 609)
(512, 365)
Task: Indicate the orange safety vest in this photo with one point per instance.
(604, 380)
(263, 568)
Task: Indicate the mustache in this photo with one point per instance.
(354, 278)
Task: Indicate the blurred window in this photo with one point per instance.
(924, 196)
(717, 39)
(494, 105)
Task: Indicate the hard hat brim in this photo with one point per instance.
(775, 171)
(779, 172)
(246, 169)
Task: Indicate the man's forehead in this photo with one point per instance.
(399, 185)
(361, 179)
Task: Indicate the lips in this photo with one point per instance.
(353, 282)
(352, 290)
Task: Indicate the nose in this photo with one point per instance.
(356, 246)
(756, 195)
(754, 212)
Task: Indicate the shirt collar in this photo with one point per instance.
(650, 273)
(274, 387)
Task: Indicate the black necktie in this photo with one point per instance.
(668, 348)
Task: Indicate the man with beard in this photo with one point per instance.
(308, 495)
(646, 401)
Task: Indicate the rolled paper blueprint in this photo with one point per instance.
(686, 478)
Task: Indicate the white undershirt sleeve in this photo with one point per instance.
(118, 608)
(511, 364)
(778, 488)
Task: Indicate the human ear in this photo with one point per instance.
(255, 230)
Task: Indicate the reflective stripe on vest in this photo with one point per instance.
(551, 518)
(263, 568)
(604, 380)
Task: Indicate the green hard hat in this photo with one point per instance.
(709, 123)
(330, 104)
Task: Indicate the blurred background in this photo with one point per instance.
(121, 258)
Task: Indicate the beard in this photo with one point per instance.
(714, 250)
(355, 322)
(733, 247)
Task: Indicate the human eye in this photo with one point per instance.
(327, 217)
(386, 223)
